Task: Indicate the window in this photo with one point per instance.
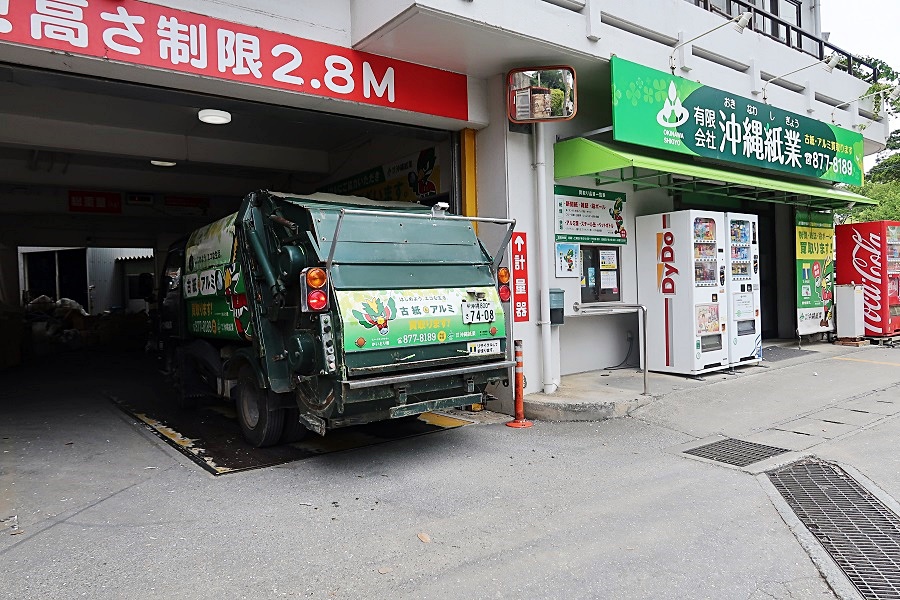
(601, 272)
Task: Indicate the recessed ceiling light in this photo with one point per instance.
(214, 117)
(163, 163)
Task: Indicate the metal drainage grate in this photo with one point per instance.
(736, 452)
(859, 532)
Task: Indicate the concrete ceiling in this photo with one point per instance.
(51, 122)
(430, 37)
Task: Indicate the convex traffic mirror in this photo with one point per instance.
(538, 94)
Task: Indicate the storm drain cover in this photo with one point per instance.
(860, 533)
(739, 453)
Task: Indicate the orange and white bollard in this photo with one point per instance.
(519, 421)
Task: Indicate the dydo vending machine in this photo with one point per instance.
(681, 261)
(742, 273)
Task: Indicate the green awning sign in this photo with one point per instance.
(655, 109)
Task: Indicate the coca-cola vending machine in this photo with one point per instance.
(868, 254)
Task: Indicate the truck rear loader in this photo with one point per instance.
(321, 311)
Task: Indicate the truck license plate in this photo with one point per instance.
(477, 312)
(485, 347)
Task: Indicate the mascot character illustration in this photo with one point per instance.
(377, 314)
(419, 181)
(236, 295)
(616, 213)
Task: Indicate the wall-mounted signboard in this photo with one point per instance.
(653, 108)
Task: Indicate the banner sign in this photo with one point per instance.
(815, 272)
(214, 284)
(143, 34)
(519, 260)
(653, 108)
(408, 179)
(589, 216)
(380, 319)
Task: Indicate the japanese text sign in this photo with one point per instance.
(589, 216)
(655, 109)
(95, 202)
(519, 256)
(139, 33)
(815, 272)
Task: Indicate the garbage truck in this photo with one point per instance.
(316, 312)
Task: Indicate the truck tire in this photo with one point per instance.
(294, 430)
(184, 379)
(260, 426)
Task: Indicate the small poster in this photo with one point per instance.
(707, 319)
(609, 259)
(568, 260)
(609, 280)
(743, 305)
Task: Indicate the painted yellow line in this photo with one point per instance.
(443, 420)
(873, 362)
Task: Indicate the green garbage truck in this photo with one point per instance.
(320, 311)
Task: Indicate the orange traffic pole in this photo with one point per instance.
(519, 421)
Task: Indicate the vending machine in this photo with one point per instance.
(743, 326)
(868, 254)
(681, 280)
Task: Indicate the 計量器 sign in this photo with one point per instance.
(655, 109)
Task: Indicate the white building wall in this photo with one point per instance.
(323, 21)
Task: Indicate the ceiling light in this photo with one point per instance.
(214, 117)
(163, 163)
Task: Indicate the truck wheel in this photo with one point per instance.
(294, 430)
(260, 426)
(184, 379)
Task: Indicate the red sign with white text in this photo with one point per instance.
(94, 202)
(134, 32)
(868, 254)
(520, 277)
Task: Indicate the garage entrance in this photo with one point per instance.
(95, 167)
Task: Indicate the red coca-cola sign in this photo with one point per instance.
(861, 262)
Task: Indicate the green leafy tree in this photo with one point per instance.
(888, 208)
(556, 101)
(883, 179)
(885, 171)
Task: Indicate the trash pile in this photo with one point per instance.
(64, 325)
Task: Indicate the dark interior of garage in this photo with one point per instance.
(92, 165)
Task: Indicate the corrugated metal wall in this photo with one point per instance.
(106, 275)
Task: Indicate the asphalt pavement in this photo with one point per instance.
(92, 505)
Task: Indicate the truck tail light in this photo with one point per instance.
(314, 290)
(316, 300)
(503, 284)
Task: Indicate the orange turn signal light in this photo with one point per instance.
(316, 278)
(503, 275)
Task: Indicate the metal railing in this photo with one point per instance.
(791, 35)
(611, 308)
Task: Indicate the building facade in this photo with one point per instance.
(403, 99)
